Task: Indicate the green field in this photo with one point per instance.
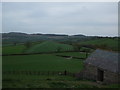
(45, 82)
(45, 62)
(109, 43)
(48, 62)
(38, 81)
(49, 46)
(13, 49)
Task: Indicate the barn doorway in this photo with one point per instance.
(100, 75)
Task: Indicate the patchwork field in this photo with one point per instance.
(44, 62)
(48, 63)
(47, 46)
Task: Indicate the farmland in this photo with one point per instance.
(13, 49)
(40, 63)
(105, 42)
(47, 58)
(49, 46)
(45, 62)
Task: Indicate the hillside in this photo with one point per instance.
(107, 43)
(49, 46)
(17, 37)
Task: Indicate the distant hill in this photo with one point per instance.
(17, 37)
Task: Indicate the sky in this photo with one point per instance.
(89, 18)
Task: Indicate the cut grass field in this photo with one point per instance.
(18, 49)
(49, 46)
(44, 62)
(41, 62)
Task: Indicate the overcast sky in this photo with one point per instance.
(61, 18)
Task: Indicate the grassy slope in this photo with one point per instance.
(109, 42)
(46, 62)
(13, 49)
(49, 46)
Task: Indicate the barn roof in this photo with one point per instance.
(104, 59)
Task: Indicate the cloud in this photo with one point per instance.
(68, 18)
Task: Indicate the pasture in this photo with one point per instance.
(37, 81)
(49, 46)
(40, 62)
(108, 43)
(37, 47)
(47, 63)
(44, 62)
(18, 49)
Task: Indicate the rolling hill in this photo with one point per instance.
(104, 42)
(49, 46)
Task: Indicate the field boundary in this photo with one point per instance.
(65, 73)
(66, 56)
(40, 53)
(78, 75)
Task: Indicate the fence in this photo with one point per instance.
(65, 73)
(86, 75)
(81, 75)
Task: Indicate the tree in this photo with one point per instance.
(59, 49)
(87, 51)
(28, 44)
(15, 43)
(76, 47)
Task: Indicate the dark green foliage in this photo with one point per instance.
(28, 44)
(76, 47)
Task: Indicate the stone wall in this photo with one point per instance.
(90, 72)
(110, 77)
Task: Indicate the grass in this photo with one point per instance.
(45, 62)
(113, 86)
(13, 49)
(23, 81)
(36, 47)
(49, 46)
(40, 81)
(37, 81)
(74, 54)
(110, 43)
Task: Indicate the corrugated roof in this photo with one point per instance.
(104, 59)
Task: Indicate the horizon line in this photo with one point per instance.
(65, 34)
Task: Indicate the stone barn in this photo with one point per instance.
(102, 66)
